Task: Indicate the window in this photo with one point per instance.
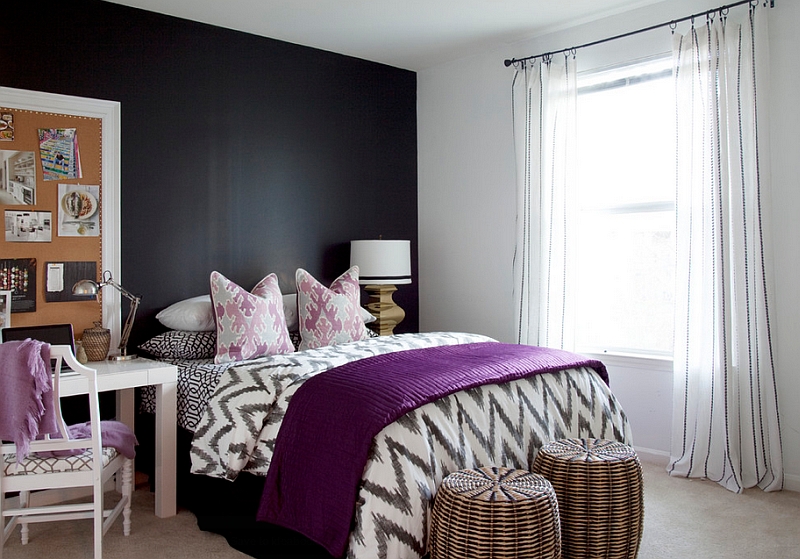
(625, 225)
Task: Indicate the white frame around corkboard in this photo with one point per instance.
(109, 114)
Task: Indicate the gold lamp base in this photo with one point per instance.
(386, 312)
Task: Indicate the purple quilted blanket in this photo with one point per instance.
(326, 435)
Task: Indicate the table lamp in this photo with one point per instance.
(382, 264)
(91, 287)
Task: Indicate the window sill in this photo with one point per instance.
(645, 362)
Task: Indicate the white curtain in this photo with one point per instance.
(544, 96)
(725, 419)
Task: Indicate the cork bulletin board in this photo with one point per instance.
(52, 204)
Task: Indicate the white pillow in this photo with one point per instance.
(366, 315)
(290, 312)
(193, 315)
(197, 315)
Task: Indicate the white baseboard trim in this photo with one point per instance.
(660, 458)
(652, 456)
(791, 482)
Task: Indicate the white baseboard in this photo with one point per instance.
(652, 456)
(791, 482)
(661, 458)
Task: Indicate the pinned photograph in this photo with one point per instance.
(17, 178)
(28, 227)
(18, 275)
(6, 126)
(78, 210)
(58, 150)
(5, 309)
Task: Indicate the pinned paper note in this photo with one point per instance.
(55, 277)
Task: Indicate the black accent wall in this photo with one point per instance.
(240, 153)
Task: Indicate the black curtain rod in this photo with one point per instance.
(673, 23)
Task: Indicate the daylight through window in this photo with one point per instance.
(626, 214)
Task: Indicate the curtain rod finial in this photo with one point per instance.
(508, 62)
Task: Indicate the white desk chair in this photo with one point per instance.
(92, 468)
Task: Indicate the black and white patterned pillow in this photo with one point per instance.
(296, 339)
(181, 344)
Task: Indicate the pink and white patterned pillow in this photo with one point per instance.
(329, 316)
(249, 325)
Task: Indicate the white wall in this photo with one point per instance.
(467, 206)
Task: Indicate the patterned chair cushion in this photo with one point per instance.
(34, 464)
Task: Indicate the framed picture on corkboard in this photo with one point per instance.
(5, 309)
(59, 192)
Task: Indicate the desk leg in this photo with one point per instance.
(125, 406)
(166, 412)
(126, 413)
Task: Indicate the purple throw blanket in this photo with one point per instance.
(114, 434)
(26, 399)
(323, 444)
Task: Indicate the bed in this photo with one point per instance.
(235, 411)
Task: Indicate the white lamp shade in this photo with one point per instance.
(381, 262)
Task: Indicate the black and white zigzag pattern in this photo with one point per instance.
(500, 425)
(493, 425)
(241, 422)
(197, 379)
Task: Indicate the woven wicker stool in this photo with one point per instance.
(600, 496)
(496, 513)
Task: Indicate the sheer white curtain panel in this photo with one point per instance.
(544, 97)
(725, 420)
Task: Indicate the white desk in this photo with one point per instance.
(124, 376)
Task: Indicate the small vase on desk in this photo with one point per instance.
(80, 353)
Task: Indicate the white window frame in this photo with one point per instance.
(653, 361)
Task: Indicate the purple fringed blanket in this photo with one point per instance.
(26, 399)
(26, 403)
(114, 434)
(324, 440)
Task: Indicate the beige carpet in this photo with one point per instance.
(683, 519)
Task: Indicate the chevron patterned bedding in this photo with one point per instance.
(502, 425)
